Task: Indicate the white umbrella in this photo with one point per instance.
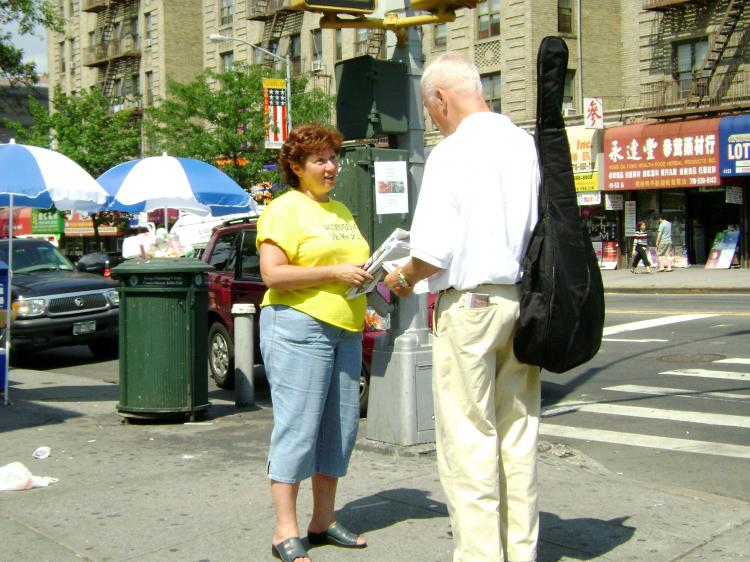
(31, 176)
(168, 182)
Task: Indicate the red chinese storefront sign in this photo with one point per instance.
(662, 155)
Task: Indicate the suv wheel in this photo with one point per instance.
(105, 348)
(221, 355)
(364, 390)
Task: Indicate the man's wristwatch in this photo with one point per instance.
(402, 280)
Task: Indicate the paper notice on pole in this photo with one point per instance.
(395, 247)
(391, 193)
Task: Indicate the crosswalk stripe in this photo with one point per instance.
(648, 340)
(654, 322)
(648, 441)
(682, 392)
(735, 360)
(705, 373)
(726, 420)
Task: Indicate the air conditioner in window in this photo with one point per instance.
(568, 109)
(316, 66)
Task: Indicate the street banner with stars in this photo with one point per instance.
(275, 111)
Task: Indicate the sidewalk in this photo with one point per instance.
(197, 491)
(693, 279)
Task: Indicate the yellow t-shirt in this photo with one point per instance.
(314, 234)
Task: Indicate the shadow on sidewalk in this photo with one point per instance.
(582, 538)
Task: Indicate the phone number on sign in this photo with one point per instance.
(711, 180)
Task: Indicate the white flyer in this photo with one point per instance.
(391, 188)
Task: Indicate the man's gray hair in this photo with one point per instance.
(450, 71)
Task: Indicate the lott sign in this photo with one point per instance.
(662, 156)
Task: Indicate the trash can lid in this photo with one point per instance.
(161, 265)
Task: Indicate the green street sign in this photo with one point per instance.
(46, 222)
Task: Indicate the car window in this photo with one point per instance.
(224, 254)
(33, 257)
(250, 266)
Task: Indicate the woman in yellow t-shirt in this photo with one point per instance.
(311, 253)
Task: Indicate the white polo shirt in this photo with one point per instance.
(478, 204)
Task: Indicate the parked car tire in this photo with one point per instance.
(364, 390)
(221, 355)
(105, 348)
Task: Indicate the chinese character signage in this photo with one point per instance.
(734, 132)
(662, 156)
(275, 111)
(46, 222)
(585, 147)
(593, 113)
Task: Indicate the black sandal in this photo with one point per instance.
(289, 550)
(337, 535)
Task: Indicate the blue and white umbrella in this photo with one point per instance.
(31, 176)
(167, 182)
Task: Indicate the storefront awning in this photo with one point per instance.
(662, 155)
(734, 140)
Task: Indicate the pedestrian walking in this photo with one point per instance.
(311, 253)
(468, 244)
(664, 248)
(640, 248)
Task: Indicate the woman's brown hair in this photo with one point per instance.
(303, 141)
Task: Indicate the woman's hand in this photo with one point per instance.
(352, 274)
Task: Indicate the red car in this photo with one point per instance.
(236, 279)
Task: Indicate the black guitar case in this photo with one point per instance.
(562, 307)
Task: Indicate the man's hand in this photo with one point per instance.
(394, 285)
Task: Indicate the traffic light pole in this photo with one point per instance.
(400, 408)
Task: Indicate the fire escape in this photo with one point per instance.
(709, 87)
(116, 52)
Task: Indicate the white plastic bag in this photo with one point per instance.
(15, 476)
(138, 246)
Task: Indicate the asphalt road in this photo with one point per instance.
(662, 402)
(666, 400)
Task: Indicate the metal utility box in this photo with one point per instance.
(163, 337)
(355, 188)
(370, 97)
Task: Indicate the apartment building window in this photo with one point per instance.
(135, 85)
(317, 45)
(564, 16)
(488, 19)
(295, 53)
(149, 88)
(118, 87)
(360, 42)
(71, 7)
(491, 89)
(688, 57)
(227, 12)
(61, 55)
(147, 28)
(568, 89)
(61, 6)
(227, 61)
(73, 55)
(339, 45)
(439, 35)
(134, 26)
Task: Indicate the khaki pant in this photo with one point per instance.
(487, 421)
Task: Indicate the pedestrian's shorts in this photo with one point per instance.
(313, 370)
(665, 250)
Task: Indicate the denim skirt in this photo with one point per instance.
(313, 370)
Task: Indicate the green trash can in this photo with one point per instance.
(163, 337)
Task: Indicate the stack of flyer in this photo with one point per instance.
(390, 254)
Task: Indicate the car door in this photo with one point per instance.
(224, 260)
(248, 286)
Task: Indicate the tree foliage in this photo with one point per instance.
(218, 117)
(84, 128)
(27, 14)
